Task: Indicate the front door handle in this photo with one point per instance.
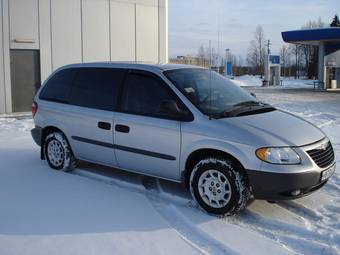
(104, 125)
(122, 128)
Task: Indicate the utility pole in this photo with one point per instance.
(266, 63)
(268, 47)
(218, 60)
(210, 54)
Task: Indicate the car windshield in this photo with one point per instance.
(210, 92)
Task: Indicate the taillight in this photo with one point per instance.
(34, 108)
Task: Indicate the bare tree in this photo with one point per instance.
(213, 57)
(237, 60)
(201, 55)
(309, 52)
(335, 22)
(314, 24)
(285, 55)
(253, 56)
(297, 52)
(257, 52)
(240, 60)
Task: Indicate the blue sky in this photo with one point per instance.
(195, 22)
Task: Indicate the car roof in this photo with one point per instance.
(133, 65)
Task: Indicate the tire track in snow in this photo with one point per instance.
(293, 237)
(320, 221)
(152, 190)
(187, 231)
(300, 210)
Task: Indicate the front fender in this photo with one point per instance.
(245, 154)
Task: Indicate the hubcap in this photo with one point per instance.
(214, 188)
(55, 153)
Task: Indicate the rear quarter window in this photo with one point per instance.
(58, 86)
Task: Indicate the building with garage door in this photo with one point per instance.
(38, 36)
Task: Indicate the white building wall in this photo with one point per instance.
(96, 30)
(45, 38)
(147, 33)
(2, 71)
(163, 33)
(6, 56)
(24, 24)
(73, 31)
(66, 30)
(123, 31)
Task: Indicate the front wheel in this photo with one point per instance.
(58, 152)
(219, 187)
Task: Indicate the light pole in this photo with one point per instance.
(228, 64)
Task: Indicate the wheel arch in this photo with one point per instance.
(45, 132)
(199, 154)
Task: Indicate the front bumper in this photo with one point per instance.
(37, 134)
(283, 186)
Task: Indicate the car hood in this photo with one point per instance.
(276, 128)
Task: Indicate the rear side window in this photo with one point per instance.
(143, 95)
(96, 88)
(57, 87)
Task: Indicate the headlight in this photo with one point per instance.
(282, 156)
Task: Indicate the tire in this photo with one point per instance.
(58, 152)
(219, 187)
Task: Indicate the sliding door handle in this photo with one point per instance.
(104, 125)
(122, 128)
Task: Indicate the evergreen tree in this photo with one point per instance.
(335, 22)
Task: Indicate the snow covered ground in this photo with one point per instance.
(287, 82)
(98, 210)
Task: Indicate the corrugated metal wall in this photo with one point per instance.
(71, 31)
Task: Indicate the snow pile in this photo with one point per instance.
(248, 80)
(287, 82)
(99, 210)
(297, 83)
(8, 124)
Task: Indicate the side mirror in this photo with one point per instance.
(253, 94)
(171, 108)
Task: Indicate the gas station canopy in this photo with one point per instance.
(313, 36)
(328, 42)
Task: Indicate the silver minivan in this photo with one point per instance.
(181, 123)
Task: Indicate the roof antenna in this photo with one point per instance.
(210, 77)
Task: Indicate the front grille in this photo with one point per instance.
(322, 157)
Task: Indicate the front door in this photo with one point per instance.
(145, 139)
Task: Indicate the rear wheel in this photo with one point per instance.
(58, 152)
(219, 187)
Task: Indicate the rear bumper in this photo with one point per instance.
(37, 134)
(281, 186)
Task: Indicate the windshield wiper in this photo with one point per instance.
(247, 103)
(247, 109)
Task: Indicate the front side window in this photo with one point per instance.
(96, 88)
(213, 94)
(57, 87)
(144, 94)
